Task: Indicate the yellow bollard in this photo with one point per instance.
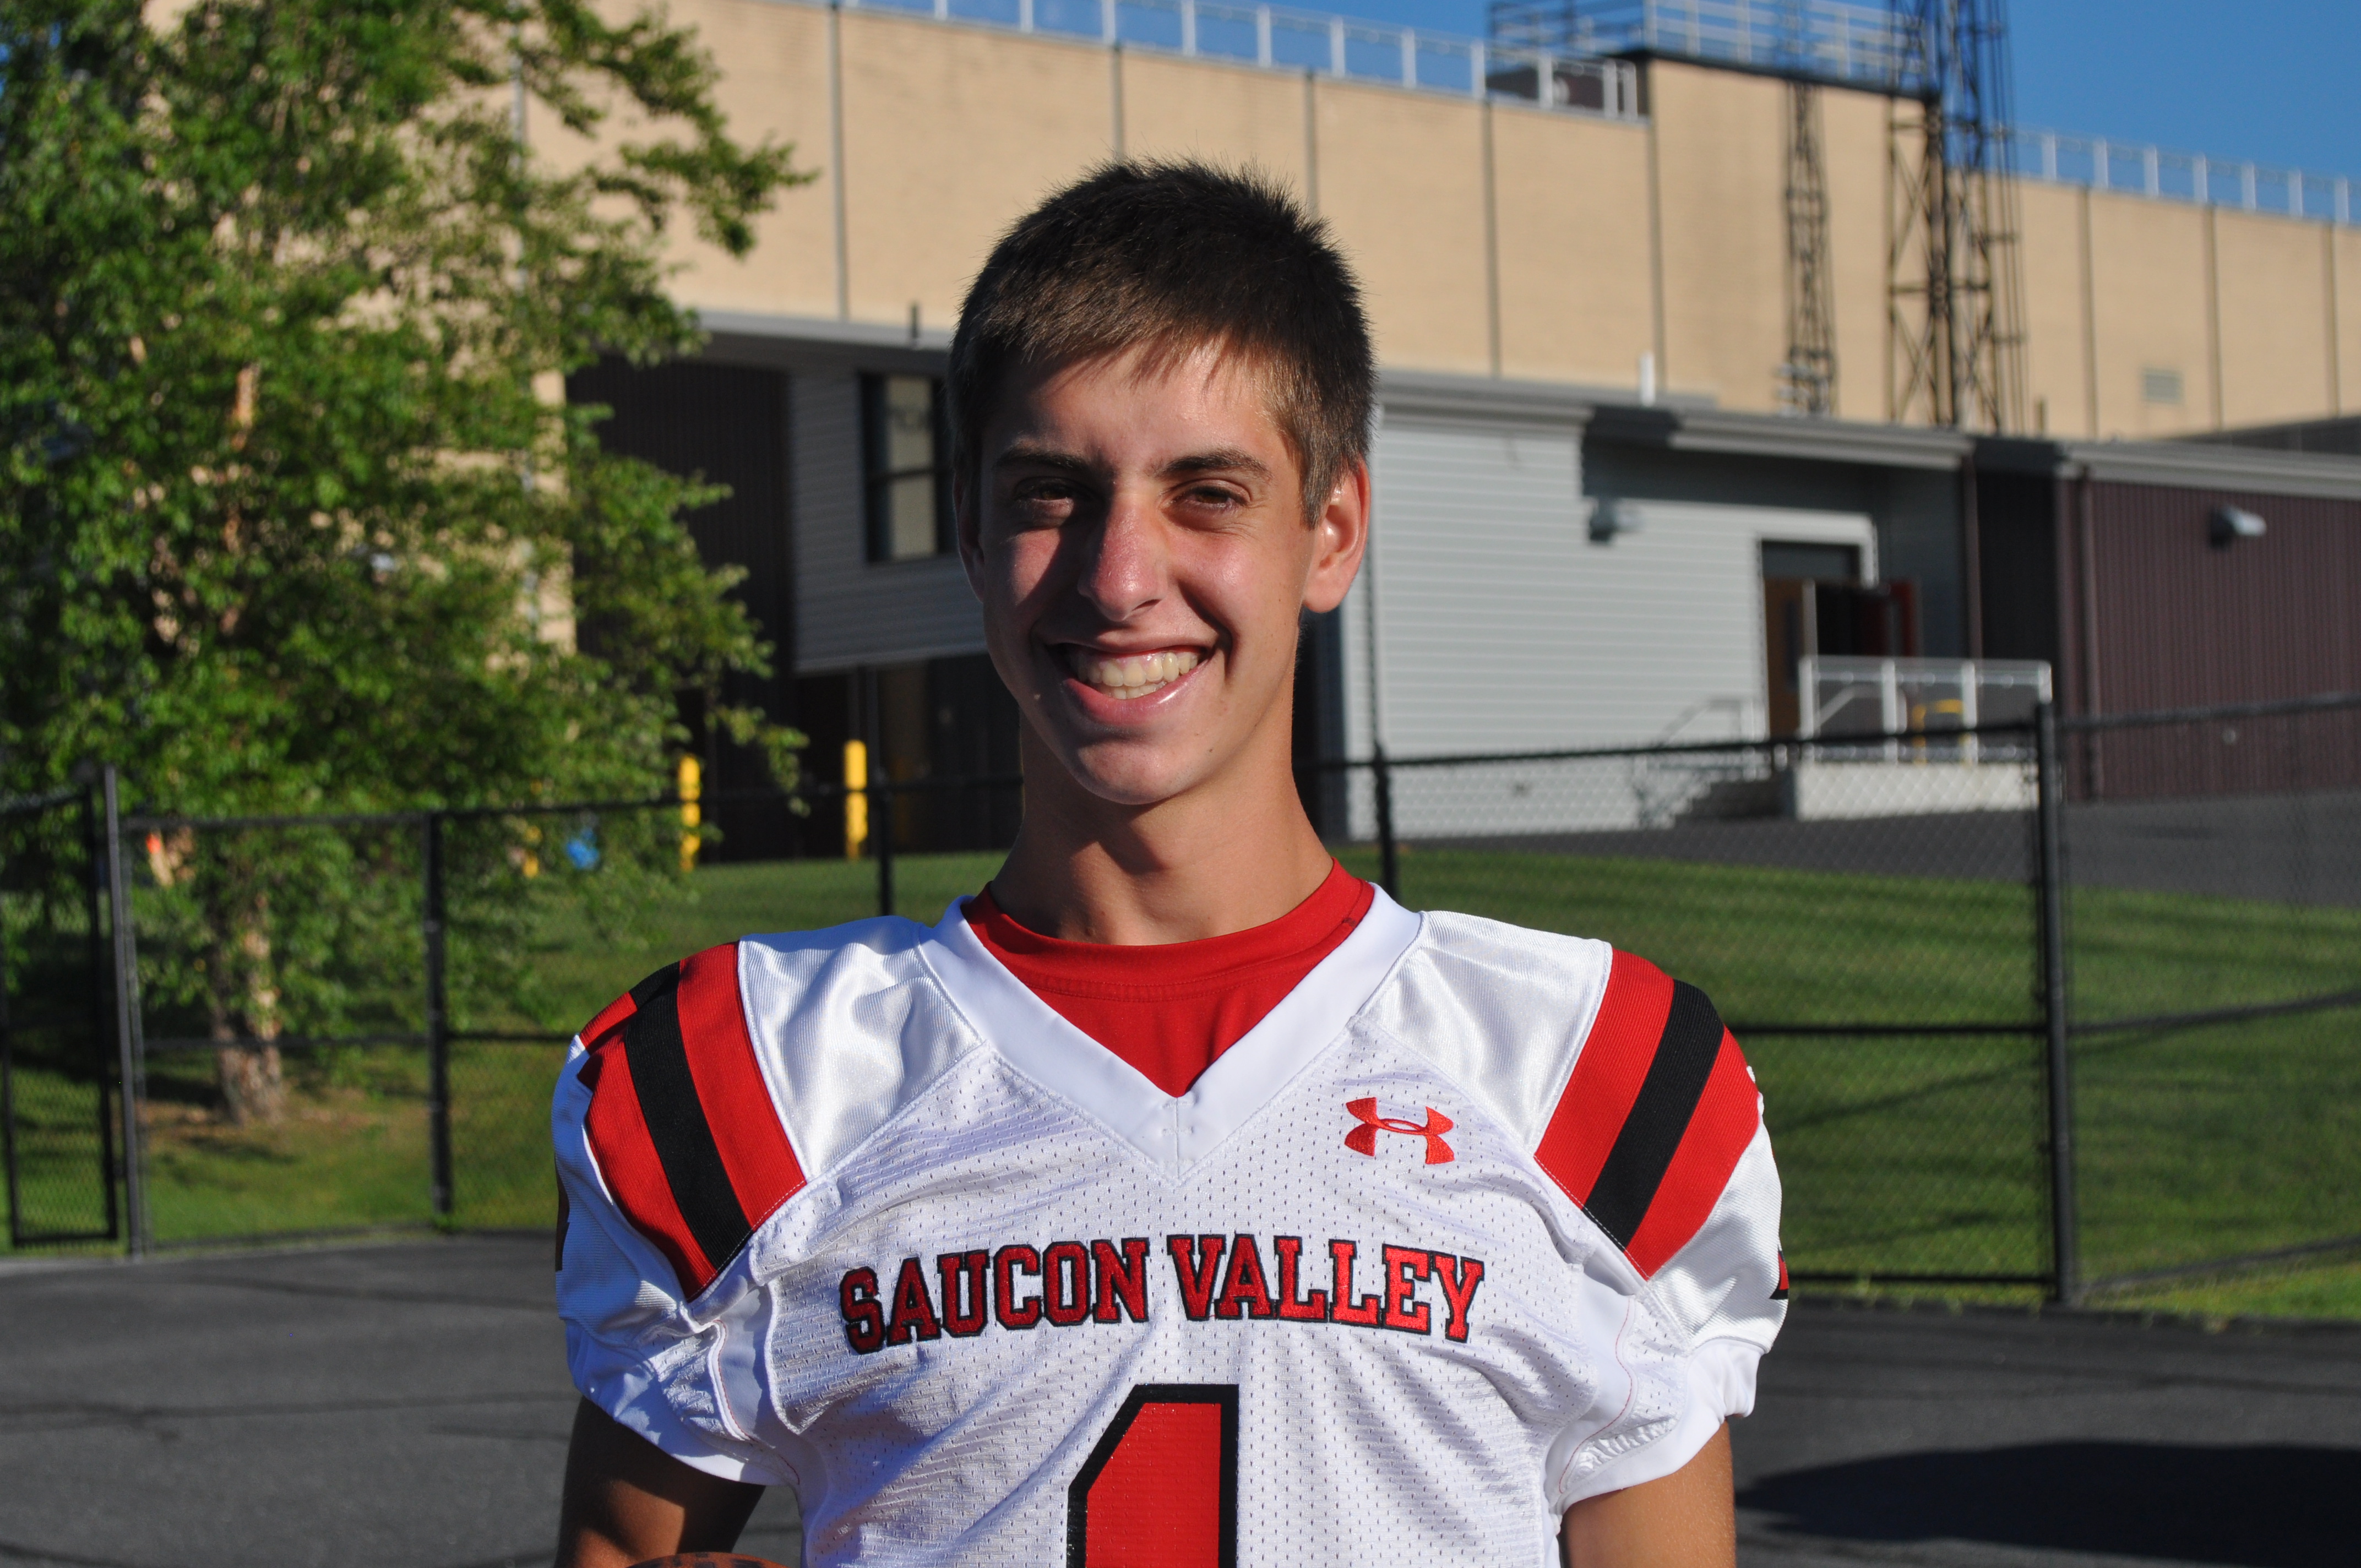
(692, 785)
(856, 800)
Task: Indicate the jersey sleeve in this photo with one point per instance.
(1658, 1136)
(670, 1153)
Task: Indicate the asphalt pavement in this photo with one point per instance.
(406, 1406)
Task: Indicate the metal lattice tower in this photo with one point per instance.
(1955, 297)
(1807, 379)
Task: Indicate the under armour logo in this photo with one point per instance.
(1363, 1139)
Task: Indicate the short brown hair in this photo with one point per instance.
(1172, 257)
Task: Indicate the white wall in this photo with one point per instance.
(1502, 625)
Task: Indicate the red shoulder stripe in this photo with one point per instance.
(609, 1017)
(681, 1123)
(1606, 1075)
(628, 1160)
(1654, 1116)
(763, 1171)
(1719, 1129)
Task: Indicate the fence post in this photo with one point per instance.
(881, 836)
(8, 1116)
(1389, 853)
(2065, 1281)
(94, 863)
(438, 1029)
(130, 1048)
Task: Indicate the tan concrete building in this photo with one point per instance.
(1499, 237)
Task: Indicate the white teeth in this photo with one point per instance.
(1136, 674)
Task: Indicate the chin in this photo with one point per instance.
(1128, 780)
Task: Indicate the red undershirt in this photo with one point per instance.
(1170, 1009)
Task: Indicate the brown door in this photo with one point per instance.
(1787, 616)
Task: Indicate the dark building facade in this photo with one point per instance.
(2164, 576)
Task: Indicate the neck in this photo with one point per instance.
(1231, 854)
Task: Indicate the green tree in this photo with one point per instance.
(291, 516)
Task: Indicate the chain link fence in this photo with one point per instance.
(2212, 869)
(346, 1023)
(60, 1120)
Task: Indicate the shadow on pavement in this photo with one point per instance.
(2260, 1507)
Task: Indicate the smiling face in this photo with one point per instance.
(1138, 537)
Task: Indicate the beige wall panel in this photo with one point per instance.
(2346, 244)
(2148, 262)
(1853, 149)
(950, 134)
(1721, 162)
(1231, 115)
(2057, 390)
(2274, 304)
(773, 84)
(1572, 199)
(1401, 178)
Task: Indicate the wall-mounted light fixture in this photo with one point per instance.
(1610, 517)
(2229, 524)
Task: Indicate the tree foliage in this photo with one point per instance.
(292, 517)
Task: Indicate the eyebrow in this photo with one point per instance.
(1220, 459)
(1225, 459)
(1029, 454)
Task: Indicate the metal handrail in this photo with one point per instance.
(2142, 169)
(1282, 38)
(1834, 39)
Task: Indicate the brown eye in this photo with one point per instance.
(1044, 500)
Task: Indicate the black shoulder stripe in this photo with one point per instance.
(664, 979)
(676, 1120)
(1652, 1134)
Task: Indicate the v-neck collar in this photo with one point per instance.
(1175, 1134)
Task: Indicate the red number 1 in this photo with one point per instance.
(1160, 1488)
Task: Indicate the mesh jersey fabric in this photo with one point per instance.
(1171, 1009)
(1477, 1222)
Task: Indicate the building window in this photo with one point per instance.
(908, 462)
(2161, 387)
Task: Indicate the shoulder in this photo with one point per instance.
(714, 1091)
(1621, 1082)
(1499, 1009)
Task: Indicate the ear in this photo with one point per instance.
(1340, 538)
(967, 527)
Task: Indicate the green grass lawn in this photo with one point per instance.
(1899, 1154)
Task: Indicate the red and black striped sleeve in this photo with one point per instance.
(681, 1121)
(1654, 1116)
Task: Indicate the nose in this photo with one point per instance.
(1126, 568)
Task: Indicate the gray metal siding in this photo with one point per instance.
(1503, 625)
(1476, 554)
(849, 612)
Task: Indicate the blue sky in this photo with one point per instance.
(2275, 81)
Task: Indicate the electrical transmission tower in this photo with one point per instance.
(1954, 293)
(1807, 380)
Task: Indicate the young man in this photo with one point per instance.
(1180, 1199)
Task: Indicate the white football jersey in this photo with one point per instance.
(1477, 1222)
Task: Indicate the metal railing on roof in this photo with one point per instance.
(1827, 39)
(1279, 38)
(1832, 39)
(2140, 168)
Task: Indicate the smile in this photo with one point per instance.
(1132, 675)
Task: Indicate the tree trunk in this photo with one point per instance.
(245, 1009)
(252, 1088)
